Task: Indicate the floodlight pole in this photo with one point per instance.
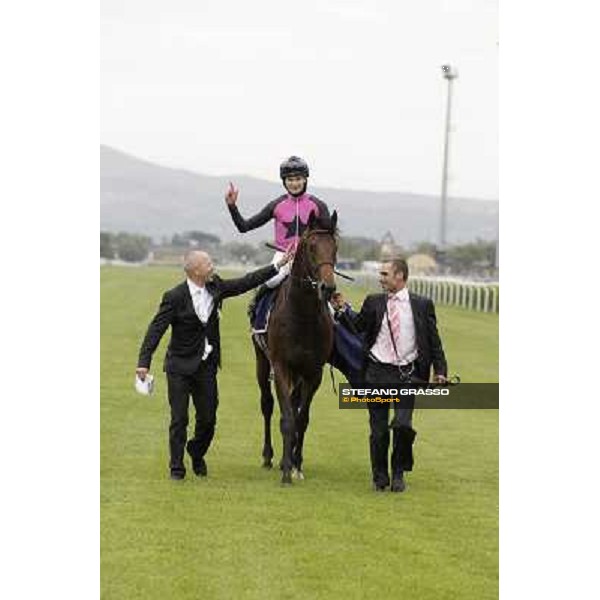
(449, 74)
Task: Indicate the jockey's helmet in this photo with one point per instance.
(294, 165)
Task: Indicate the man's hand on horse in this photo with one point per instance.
(338, 302)
(232, 195)
(141, 372)
(287, 257)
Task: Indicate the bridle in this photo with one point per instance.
(313, 268)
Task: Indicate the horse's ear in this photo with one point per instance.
(334, 220)
(312, 218)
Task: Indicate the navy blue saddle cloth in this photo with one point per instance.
(347, 354)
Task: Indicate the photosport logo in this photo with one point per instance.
(421, 395)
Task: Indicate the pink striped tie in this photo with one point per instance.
(394, 319)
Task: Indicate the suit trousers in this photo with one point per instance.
(202, 387)
(376, 375)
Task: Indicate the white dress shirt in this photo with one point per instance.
(202, 299)
(406, 343)
(203, 305)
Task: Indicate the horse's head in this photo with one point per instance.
(316, 254)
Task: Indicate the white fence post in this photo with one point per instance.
(486, 299)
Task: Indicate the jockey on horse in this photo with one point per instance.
(291, 212)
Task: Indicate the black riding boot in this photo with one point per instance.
(260, 292)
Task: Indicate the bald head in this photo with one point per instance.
(198, 266)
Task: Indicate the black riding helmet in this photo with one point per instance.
(294, 165)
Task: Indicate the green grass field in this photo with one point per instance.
(239, 533)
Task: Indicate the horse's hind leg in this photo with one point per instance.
(263, 370)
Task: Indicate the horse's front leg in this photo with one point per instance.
(308, 391)
(302, 419)
(287, 421)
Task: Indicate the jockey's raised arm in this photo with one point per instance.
(254, 222)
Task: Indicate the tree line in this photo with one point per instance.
(459, 258)
(124, 246)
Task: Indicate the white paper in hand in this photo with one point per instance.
(145, 387)
(207, 349)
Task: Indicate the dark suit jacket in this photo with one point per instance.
(186, 347)
(429, 345)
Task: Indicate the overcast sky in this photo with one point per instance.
(353, 86)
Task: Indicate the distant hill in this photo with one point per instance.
(141, 197)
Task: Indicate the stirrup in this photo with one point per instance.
(261, 341)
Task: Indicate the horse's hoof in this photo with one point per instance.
(297, 474)
(267, 464)
(286, 479)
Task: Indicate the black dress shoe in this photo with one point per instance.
(199, 467)
(398, 485)
(177, 476)
(379, 487)
(198, 464)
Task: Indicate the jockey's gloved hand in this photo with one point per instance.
(287, 257)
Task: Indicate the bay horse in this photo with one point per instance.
(299, 342)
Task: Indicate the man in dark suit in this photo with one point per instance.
(194, 352)
(400, 344)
